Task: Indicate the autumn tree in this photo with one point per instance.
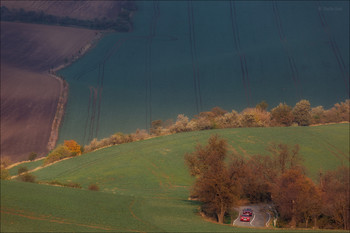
(282, 115)
(181, 124)
(339, 112)
(301, 113)
(213, 186)
(296, 197)
(262, 106)
(317, 115)
(257, 178)
(228, 120)
(217, 111)
(335, 186)
(156, 127)
(73, 147)
(285, 157)
(254, 117)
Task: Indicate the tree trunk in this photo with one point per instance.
(315, 222)
(293, 222)
(306, 222)
(221, 215)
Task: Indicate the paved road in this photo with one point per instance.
(259, 219)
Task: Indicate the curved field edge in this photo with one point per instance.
(144, 186)
(322, 147)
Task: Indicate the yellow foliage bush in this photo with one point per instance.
(73, 147)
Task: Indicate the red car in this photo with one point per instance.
(245, 218)
(248, 211)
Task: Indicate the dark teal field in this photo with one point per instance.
(184, 57)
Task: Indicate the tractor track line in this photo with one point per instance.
(192, 58)
(196, 59)
(334, 48)
(87, 116)
(284, 42)
(148, 63)
(242, 59)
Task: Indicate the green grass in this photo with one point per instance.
(144, 185)
(30, 165)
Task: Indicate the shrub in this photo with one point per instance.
(5, 161)
(156, 127)
(248, 119)
(4, 173)
(229, 120)
(27, 177)
(32, 156)
(262, 106)
(254, 117)
(73, 147)
(340, 112)
(282, 115)
(22, 170)
(180, 124)
(301, 113)
(317, 115)
(60, 152)
(140, 135)
(94, 187)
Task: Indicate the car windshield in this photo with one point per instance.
(245, 215)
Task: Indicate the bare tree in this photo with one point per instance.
(213, 186)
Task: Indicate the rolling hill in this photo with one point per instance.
(144, 186)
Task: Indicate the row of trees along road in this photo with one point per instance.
(278, 179)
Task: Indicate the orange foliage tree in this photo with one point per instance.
(73, 147)
(296, 197)
(213, 186)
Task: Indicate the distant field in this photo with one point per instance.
(28, 106)
(184, 57)
(145, 185)
(72, 9)
(29, 95)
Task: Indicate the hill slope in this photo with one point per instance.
(144, 185)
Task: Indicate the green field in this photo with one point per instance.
(144, 186)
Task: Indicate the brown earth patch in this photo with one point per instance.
(42, 47)
(28, 105)
(86, 10)
(29, 95)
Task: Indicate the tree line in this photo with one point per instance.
(123, 23)
(282, 115)
(278, 179)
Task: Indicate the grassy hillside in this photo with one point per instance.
(144, 185)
